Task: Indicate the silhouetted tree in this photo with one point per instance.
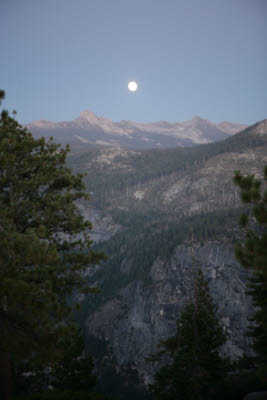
(45, 246)
(197, 370)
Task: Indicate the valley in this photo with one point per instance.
(151, 209)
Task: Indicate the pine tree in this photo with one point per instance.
(45, 244)
(252, 253)
(197, 370)
(72, 373)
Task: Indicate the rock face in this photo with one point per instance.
(148, 204)
(142, 314)
(103, 227)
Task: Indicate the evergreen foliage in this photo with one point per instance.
(72, 373)
(75, 371)
(146, 237)
(252, 253)
(45, 245)
(197, 370)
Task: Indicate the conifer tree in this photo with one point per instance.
(72, 373)
(44, 244)
(252, 253)
(197, 370)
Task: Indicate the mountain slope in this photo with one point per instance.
(89, 129)
(115, 169)
(150, 203)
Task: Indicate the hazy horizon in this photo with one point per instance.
(139, 122)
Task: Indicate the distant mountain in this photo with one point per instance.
(90, 129)
(230, 128)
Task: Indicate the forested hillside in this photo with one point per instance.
(146, 208)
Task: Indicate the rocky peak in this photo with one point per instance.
(87, 117)
(90, 117)
(197, 118)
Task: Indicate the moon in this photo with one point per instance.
(132, 86)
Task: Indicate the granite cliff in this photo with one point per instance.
(144, 219)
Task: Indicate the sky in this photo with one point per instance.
(188, 57)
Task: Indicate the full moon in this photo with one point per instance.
(132, 86)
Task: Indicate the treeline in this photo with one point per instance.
(140, 167)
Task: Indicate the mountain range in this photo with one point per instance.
(89, 129)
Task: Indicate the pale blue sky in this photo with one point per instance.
(204, 57)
